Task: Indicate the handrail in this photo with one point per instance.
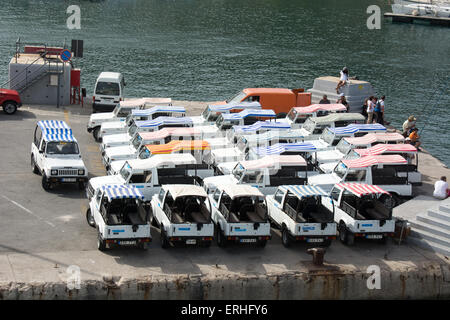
(20, 73)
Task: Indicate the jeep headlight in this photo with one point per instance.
(54, 172)
(80, 172)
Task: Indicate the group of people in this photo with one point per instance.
(373, 109)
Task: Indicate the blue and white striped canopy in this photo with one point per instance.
(279, 148)
(224, 108)
(250, 113)
(302, 191)
(66, 137)
(122, 192)
(54, 127)
(354, 127)
(150, 111)
(164, 120)
(269, 125)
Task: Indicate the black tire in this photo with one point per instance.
(143, 246)
(326, 243)
(164, 241)
(205, 244)
(101, 244)
(95, 133)
(81, 185)
(9, 107)
(90, 218)
(45, 183)
(221, 240)
(261, 243)
(34, 166)
(388, 202)
(346, 237)
(285, 237)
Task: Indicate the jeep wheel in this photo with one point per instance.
(345, 235)
(95, 133)
(143, 246)
(164, 241)
(45, 183)
(205, 244)
(9, 107)
(221, 240)
(285, 237)
(90, 218)
(261, 243)
(81, 185)
(101, 244)
(34, 166)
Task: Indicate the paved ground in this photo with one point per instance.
(40, 229)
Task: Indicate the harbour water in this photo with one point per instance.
(208, 50)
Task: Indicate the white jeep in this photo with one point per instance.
(120, 217)
(239, 213)
(56, 156)
(298, 211)
(182, 213)
(360, 211)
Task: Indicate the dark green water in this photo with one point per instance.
(209, 49)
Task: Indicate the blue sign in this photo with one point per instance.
(65, 55)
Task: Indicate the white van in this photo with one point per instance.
(108, 91)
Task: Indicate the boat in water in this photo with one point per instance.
(430, 8)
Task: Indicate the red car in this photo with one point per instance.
(9, 100)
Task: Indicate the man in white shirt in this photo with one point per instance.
(370, 108)
(343, 79)
(441, 190)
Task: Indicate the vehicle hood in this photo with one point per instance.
(329, 155)
(9, 92)
(114, 138)
(329, 166)
(100, 181)
(120, 151)
(101, 116)
(113, 125)
(218, 143)
(197, 120)
(323, 179)
(226, 154)
(55, 163)
(213, 182)
(227, 167)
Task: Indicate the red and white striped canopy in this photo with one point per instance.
(387, 148)
(361, 189)
(369, 161)
(375, 137)
(321, 107)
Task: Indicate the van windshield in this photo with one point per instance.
(237, 98)
(108, 88)
(61, 147)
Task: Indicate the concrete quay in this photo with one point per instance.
(43, 233)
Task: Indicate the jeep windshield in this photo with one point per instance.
(137, 141)
(125, 172)
(328, 136)
(343, 146)
(210, 115)
(236, 98)
(144, 154)
(132, 130)
(108, 88)
(62, 147)
(242, 144)
(309, 125)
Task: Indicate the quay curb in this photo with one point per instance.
(431, 281)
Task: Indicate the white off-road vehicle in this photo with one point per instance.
(120, 217)
(266, 173)
(314, 126)
(245, 117)
(136, 126)
(298, 115)
(119, 113)
(56, 156)
(240, 215)
(359, 211)
(212, 112)
(116, 127)
(182, 212)
(299, 213)
(346, 146)
(384, 171)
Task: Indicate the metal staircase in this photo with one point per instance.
(432, 229)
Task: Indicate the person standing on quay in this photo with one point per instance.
(370, 109)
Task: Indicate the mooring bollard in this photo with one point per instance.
(317, 254)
